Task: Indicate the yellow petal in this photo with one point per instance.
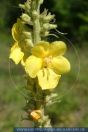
(36, 114)
(48, 79)
(16, 54)
(58, 48)
(14, 32)
(17, 30)
(33, 65)
(60, 64)
(22, 63)
(41, 49)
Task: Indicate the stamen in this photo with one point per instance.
(47, 61)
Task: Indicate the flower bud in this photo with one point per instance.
(29, 42)
(25, 18)
(27, 34)
(41, 1)
(52, 26)
(47, 18)
(22, 6)
(36, 114)
(48, 26)
(27, 6)
(35, 14)
(46, 33)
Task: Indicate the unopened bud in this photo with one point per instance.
(25, 18)
(36, 114)
(35, 14)
(48, 18)
(41, 1)
(48, 26)
(22, 6)
(52, 26)
(27, 34)
(29, 42)
(46, 33)
(27, 6)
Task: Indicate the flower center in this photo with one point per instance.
(47, 61)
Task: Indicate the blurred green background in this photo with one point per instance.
(71, 110)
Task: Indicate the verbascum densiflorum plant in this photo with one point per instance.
(43, 62)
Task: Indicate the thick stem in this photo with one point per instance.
(36, 22)
(36, 31)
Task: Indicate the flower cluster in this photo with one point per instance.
(43, 60)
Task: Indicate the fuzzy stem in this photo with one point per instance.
(36, 22)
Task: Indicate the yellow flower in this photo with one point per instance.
(36, 114)
(21, 36)
(17, 30)
(21, 48)
(47, 63)
(16, 54)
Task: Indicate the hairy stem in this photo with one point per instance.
(36, 22)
